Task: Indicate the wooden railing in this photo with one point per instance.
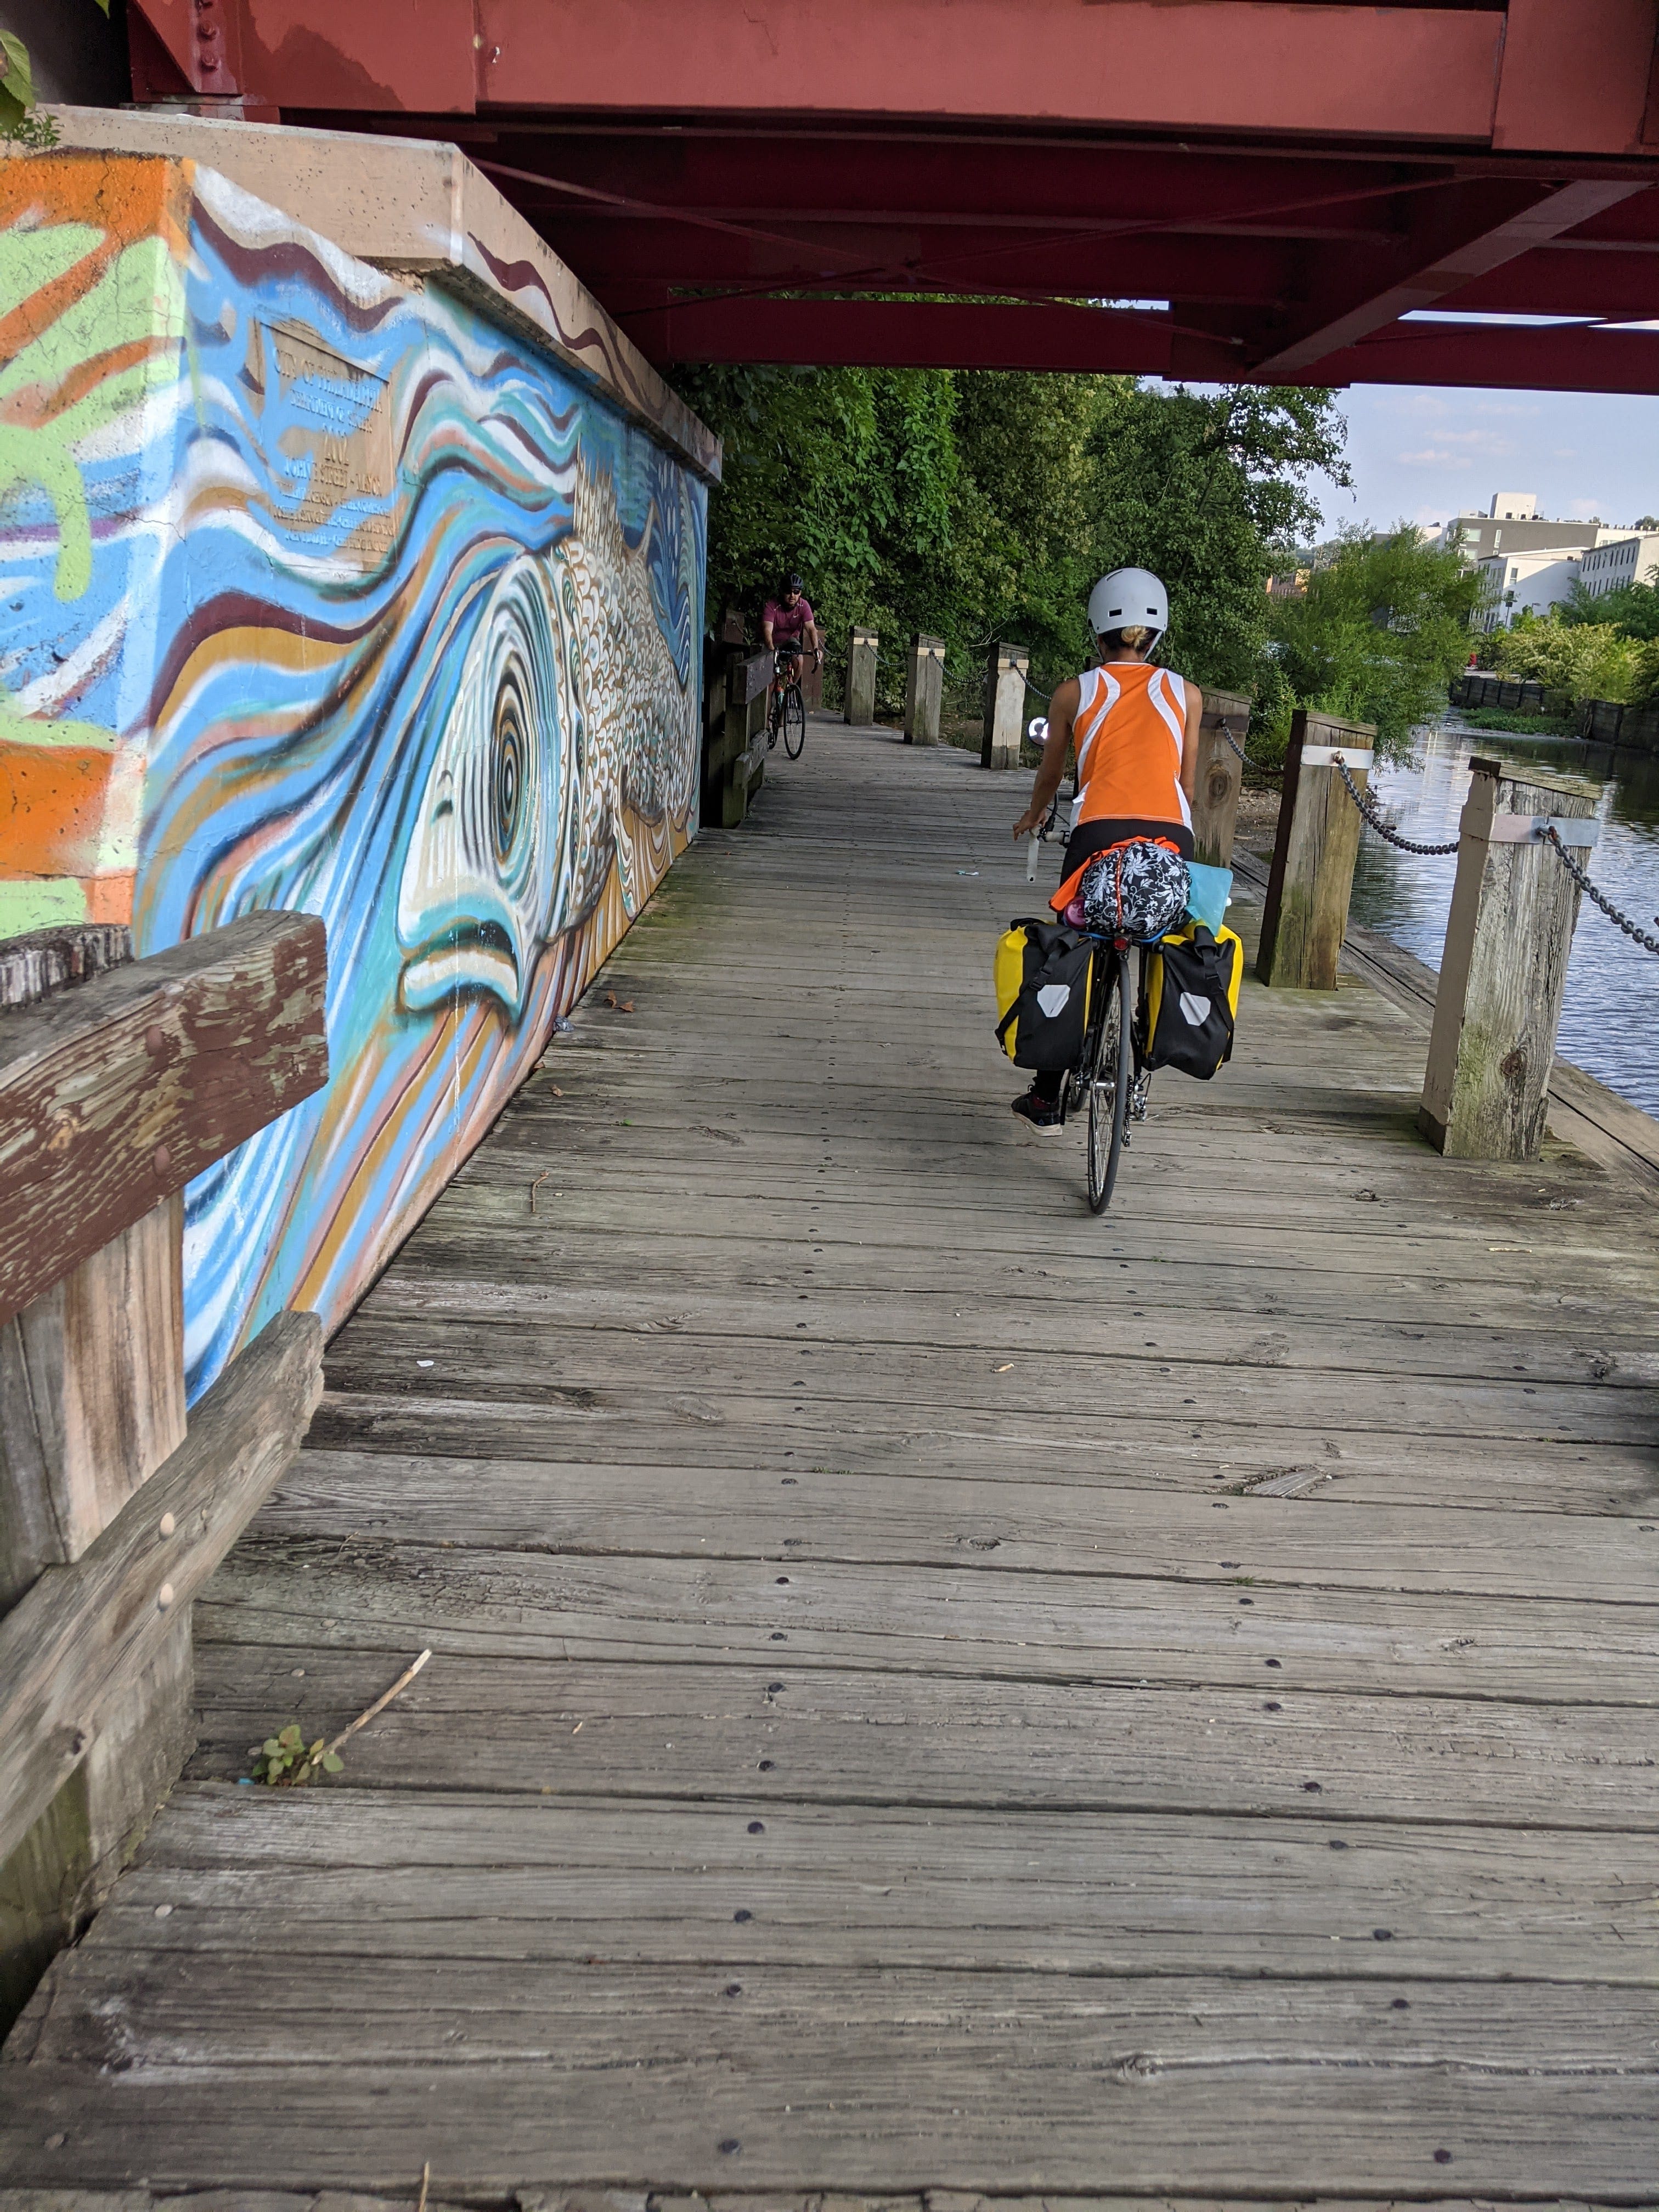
(120, 1080)
(734, 735)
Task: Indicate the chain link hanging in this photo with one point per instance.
(1261, 767)
(1383, 830)
(1648, 944)
(1619, 921)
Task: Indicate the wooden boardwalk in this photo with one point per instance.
(933, 1692)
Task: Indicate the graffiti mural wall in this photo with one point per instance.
(322, 591)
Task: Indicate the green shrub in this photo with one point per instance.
(1586, 660)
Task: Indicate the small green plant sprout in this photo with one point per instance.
(287, 1762)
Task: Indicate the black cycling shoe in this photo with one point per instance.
(1041, 1112)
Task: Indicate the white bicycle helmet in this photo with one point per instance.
(1128, 598)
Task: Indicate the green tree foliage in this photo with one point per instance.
(1632, 610)
(1381, 629)
(1204, 489)
(1584, 660)
(982, 504)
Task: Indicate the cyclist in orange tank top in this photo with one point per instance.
(1134, 727)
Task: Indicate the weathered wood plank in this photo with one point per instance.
(113, 1094)
(485, 2013)
(528, 1360)
(91, 1396)
(892, 2097)
(83, 1632)
(524, 1877)
(965, 1621)
(1416, 1305)
(702, 1730)
(695, 1428)
(1304, 1337)
(1067, 1530)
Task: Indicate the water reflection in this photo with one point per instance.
(1611, 1018)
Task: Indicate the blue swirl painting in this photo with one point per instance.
(406, 624)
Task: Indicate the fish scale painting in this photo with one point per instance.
(327, 591)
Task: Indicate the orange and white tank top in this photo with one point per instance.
(1129, 733)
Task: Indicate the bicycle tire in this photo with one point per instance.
(794, 722)
(1111, 1070)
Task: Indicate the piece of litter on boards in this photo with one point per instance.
(562, 1025)
(425, 1363)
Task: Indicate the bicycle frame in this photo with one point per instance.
(1113, 948)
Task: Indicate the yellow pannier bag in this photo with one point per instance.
(1192, 1000)
(1041, 974)
(1007, 974)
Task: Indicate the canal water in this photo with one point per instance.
(1610, 1022)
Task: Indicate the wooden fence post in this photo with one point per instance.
(734, 763)
(1504, 970)
(1004, 706)
(862, 645)
(1305, 912)
(924, 686)
(1215, 792)
(120, 1080)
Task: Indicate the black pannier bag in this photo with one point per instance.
(1192, 996)
(1042, 994)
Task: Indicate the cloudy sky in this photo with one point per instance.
(1420, 456)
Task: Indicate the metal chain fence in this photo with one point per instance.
(1599, 898)
(1261, 767)
(1381, 827)
(1633, 930)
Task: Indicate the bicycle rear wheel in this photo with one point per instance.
(794, 722)
(1109, 1074)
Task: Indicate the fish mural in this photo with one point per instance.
(516, 842)
(321, 590)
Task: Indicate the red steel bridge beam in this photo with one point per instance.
(1292, 176)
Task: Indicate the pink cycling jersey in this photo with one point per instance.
(787, 622)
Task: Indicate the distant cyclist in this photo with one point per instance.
(1135, 728)
(789, 619)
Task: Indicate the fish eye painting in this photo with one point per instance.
(325, 591)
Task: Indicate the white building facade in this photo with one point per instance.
(1624, 558)
(1525, 583)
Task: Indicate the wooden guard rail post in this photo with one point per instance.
(734, 743)
(924, 689)
(1486, 1091)
(1305, 913)
(1004, 706)
(1220, 771)
(862, 648)
(114, 1091)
